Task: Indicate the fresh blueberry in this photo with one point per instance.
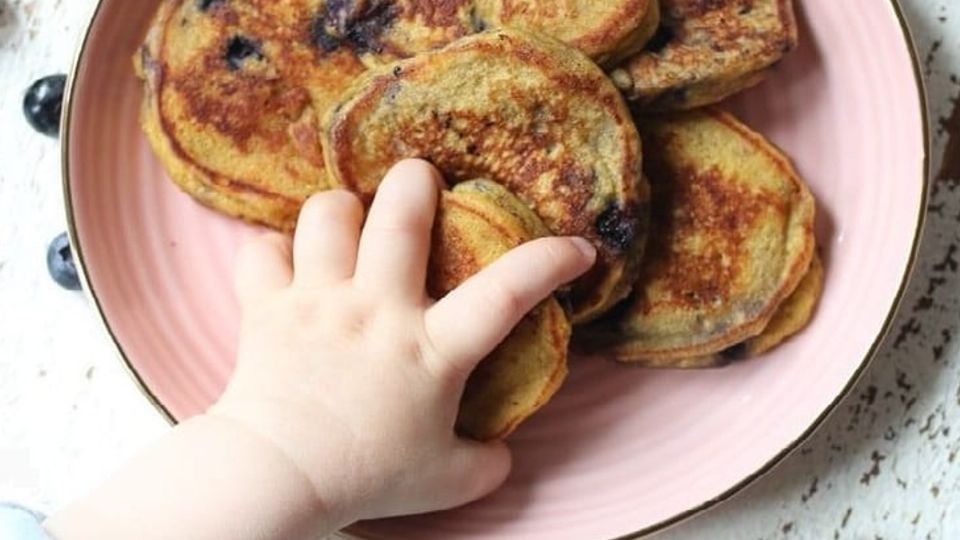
(42, 104)
(60, 263)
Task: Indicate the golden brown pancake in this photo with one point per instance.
(707, 50)
(791, 317)
(402, 28)
(524, 111)
(731, 239)
(605, 31)
(234, 88)
(233, 93)
(477, 223)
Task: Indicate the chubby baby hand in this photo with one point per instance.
(348, 367)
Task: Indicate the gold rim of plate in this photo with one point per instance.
(765, 469)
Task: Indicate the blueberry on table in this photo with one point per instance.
(43, 102)
(60, 263)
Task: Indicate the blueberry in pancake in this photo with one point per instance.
(731, 240)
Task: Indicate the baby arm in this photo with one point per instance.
(348, 379)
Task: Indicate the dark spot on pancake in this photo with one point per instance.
(353, 24)
(476, 23)
(204, 5)
(678, 95)
(660, 40)
(746, 9)
(735, 353)
(240, 49)
(616, 228)
(397, 71)
(565, 298)
(146, 60)
(321, 38)
(482, 187)
(443, 119)
(391, 93)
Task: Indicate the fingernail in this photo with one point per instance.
(585, 247)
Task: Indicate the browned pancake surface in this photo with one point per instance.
(527, 112)
(707, 50)
(732, 236)
(234, 88)
(478, 222)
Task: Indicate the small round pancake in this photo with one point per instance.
(706, 51)
(234, 89)
(791, 317)
(401, 28)
(793, 314)
(732, 236)
(605, 31)
(477, 223)
(233, 93)
(525, 111)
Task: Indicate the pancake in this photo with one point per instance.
(232, 94)
(707, 50)
(605, 31)
(477, 223)
(234, 89)
(525, 111)
(394, 29)
(731, 239)
(791, 317)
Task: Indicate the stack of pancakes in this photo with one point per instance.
(566, 118)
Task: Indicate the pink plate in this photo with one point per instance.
(620, 452)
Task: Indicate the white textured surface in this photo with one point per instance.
(884, 466)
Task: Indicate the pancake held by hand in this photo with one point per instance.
(707, 50)
(234, 89)
(527, 112)
(477, 223)
(731, 239)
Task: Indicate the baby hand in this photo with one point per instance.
(348, 368)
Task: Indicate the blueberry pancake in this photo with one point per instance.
(789, 319)
(605, 31)
(478, 222)
(392, 29)
(527, 112)
(707, 50)
(234, 88)
(731, 239)
(233, 93)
